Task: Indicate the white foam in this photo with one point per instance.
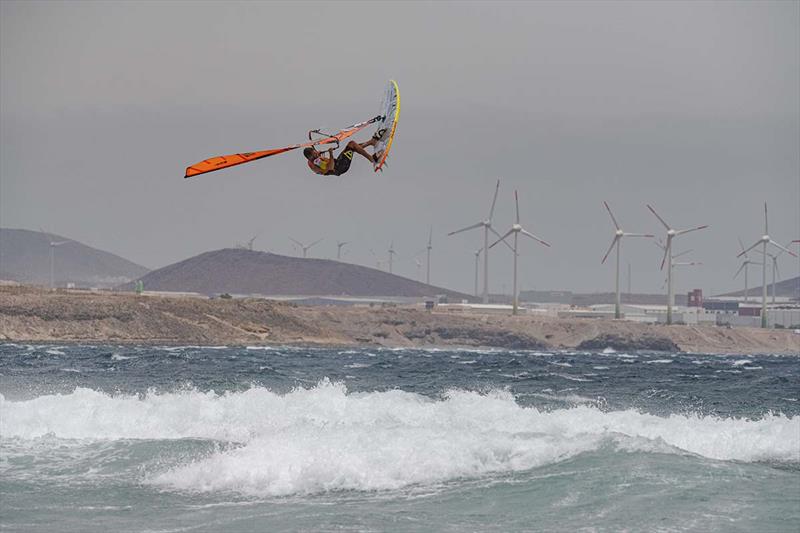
(324, 438)
(658, 361)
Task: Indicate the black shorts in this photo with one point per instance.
(342, 164)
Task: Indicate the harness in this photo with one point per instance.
(319, 163)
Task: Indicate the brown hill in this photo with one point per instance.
(238, 271)
(25, 258)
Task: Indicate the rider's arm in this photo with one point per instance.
(331, 161)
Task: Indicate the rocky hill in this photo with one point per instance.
(25, 258)
(242, 272)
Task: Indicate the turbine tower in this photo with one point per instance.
(304, 247)
(671, 234)
(392, 253)
(775, 271)
(486, 224)
(763, 241)
(477, 257)
(53, 245)
(746, 267)
(339, 249)
(428, 260)
(516, 229)
(618, 235)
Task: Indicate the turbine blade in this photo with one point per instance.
(681, 232)
(613, 242)
(766, 220)
(316, 242)
(682, 253)
(744, 252)
(616, 224)
(503, 239)
(667, 251)
(477, 225)
(534, 237)
(658, 217)
(430, 236)
(494, 200)
(742, 267)
(516, 202)
(773, 243)
(741, 245)
(638, 235)
(298, 243)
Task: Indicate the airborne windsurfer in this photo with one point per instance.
(330, 166)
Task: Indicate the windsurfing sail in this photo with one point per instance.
(390, 112)
(225, 161)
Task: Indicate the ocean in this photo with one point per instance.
(190, 438)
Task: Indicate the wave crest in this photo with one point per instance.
(326, 438)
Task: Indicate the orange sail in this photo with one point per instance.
(225, 161)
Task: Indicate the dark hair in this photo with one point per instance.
(308, 152)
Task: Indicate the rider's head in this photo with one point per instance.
(310, 153)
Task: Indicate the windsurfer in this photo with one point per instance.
(327, 165)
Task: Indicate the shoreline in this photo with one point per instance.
(36, 315)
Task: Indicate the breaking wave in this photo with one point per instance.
(325, 438)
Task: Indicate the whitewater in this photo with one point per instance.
(99, 438)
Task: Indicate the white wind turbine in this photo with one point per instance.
(746, 267)
(339, 245)
(486, 224)
(661, 245)
(392, 253)
(53, 245)
(428, 259)
(618, 235)
(53, 260)
(671, 234)
(516, 229)
(763, 241)
(304, 247)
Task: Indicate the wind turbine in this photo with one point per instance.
(305, 248)
(339, 245)
(53, 245)
(682, 264)
(618, 235)
(671, 234)
(419, 268)
(516, 229)
(746, 267)
(763, 241)
(486, 224)
(428, 260)
(392, 253)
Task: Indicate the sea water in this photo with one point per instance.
(120, 438)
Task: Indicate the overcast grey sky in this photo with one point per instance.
(694, 107)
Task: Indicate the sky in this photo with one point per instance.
(693, 107)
